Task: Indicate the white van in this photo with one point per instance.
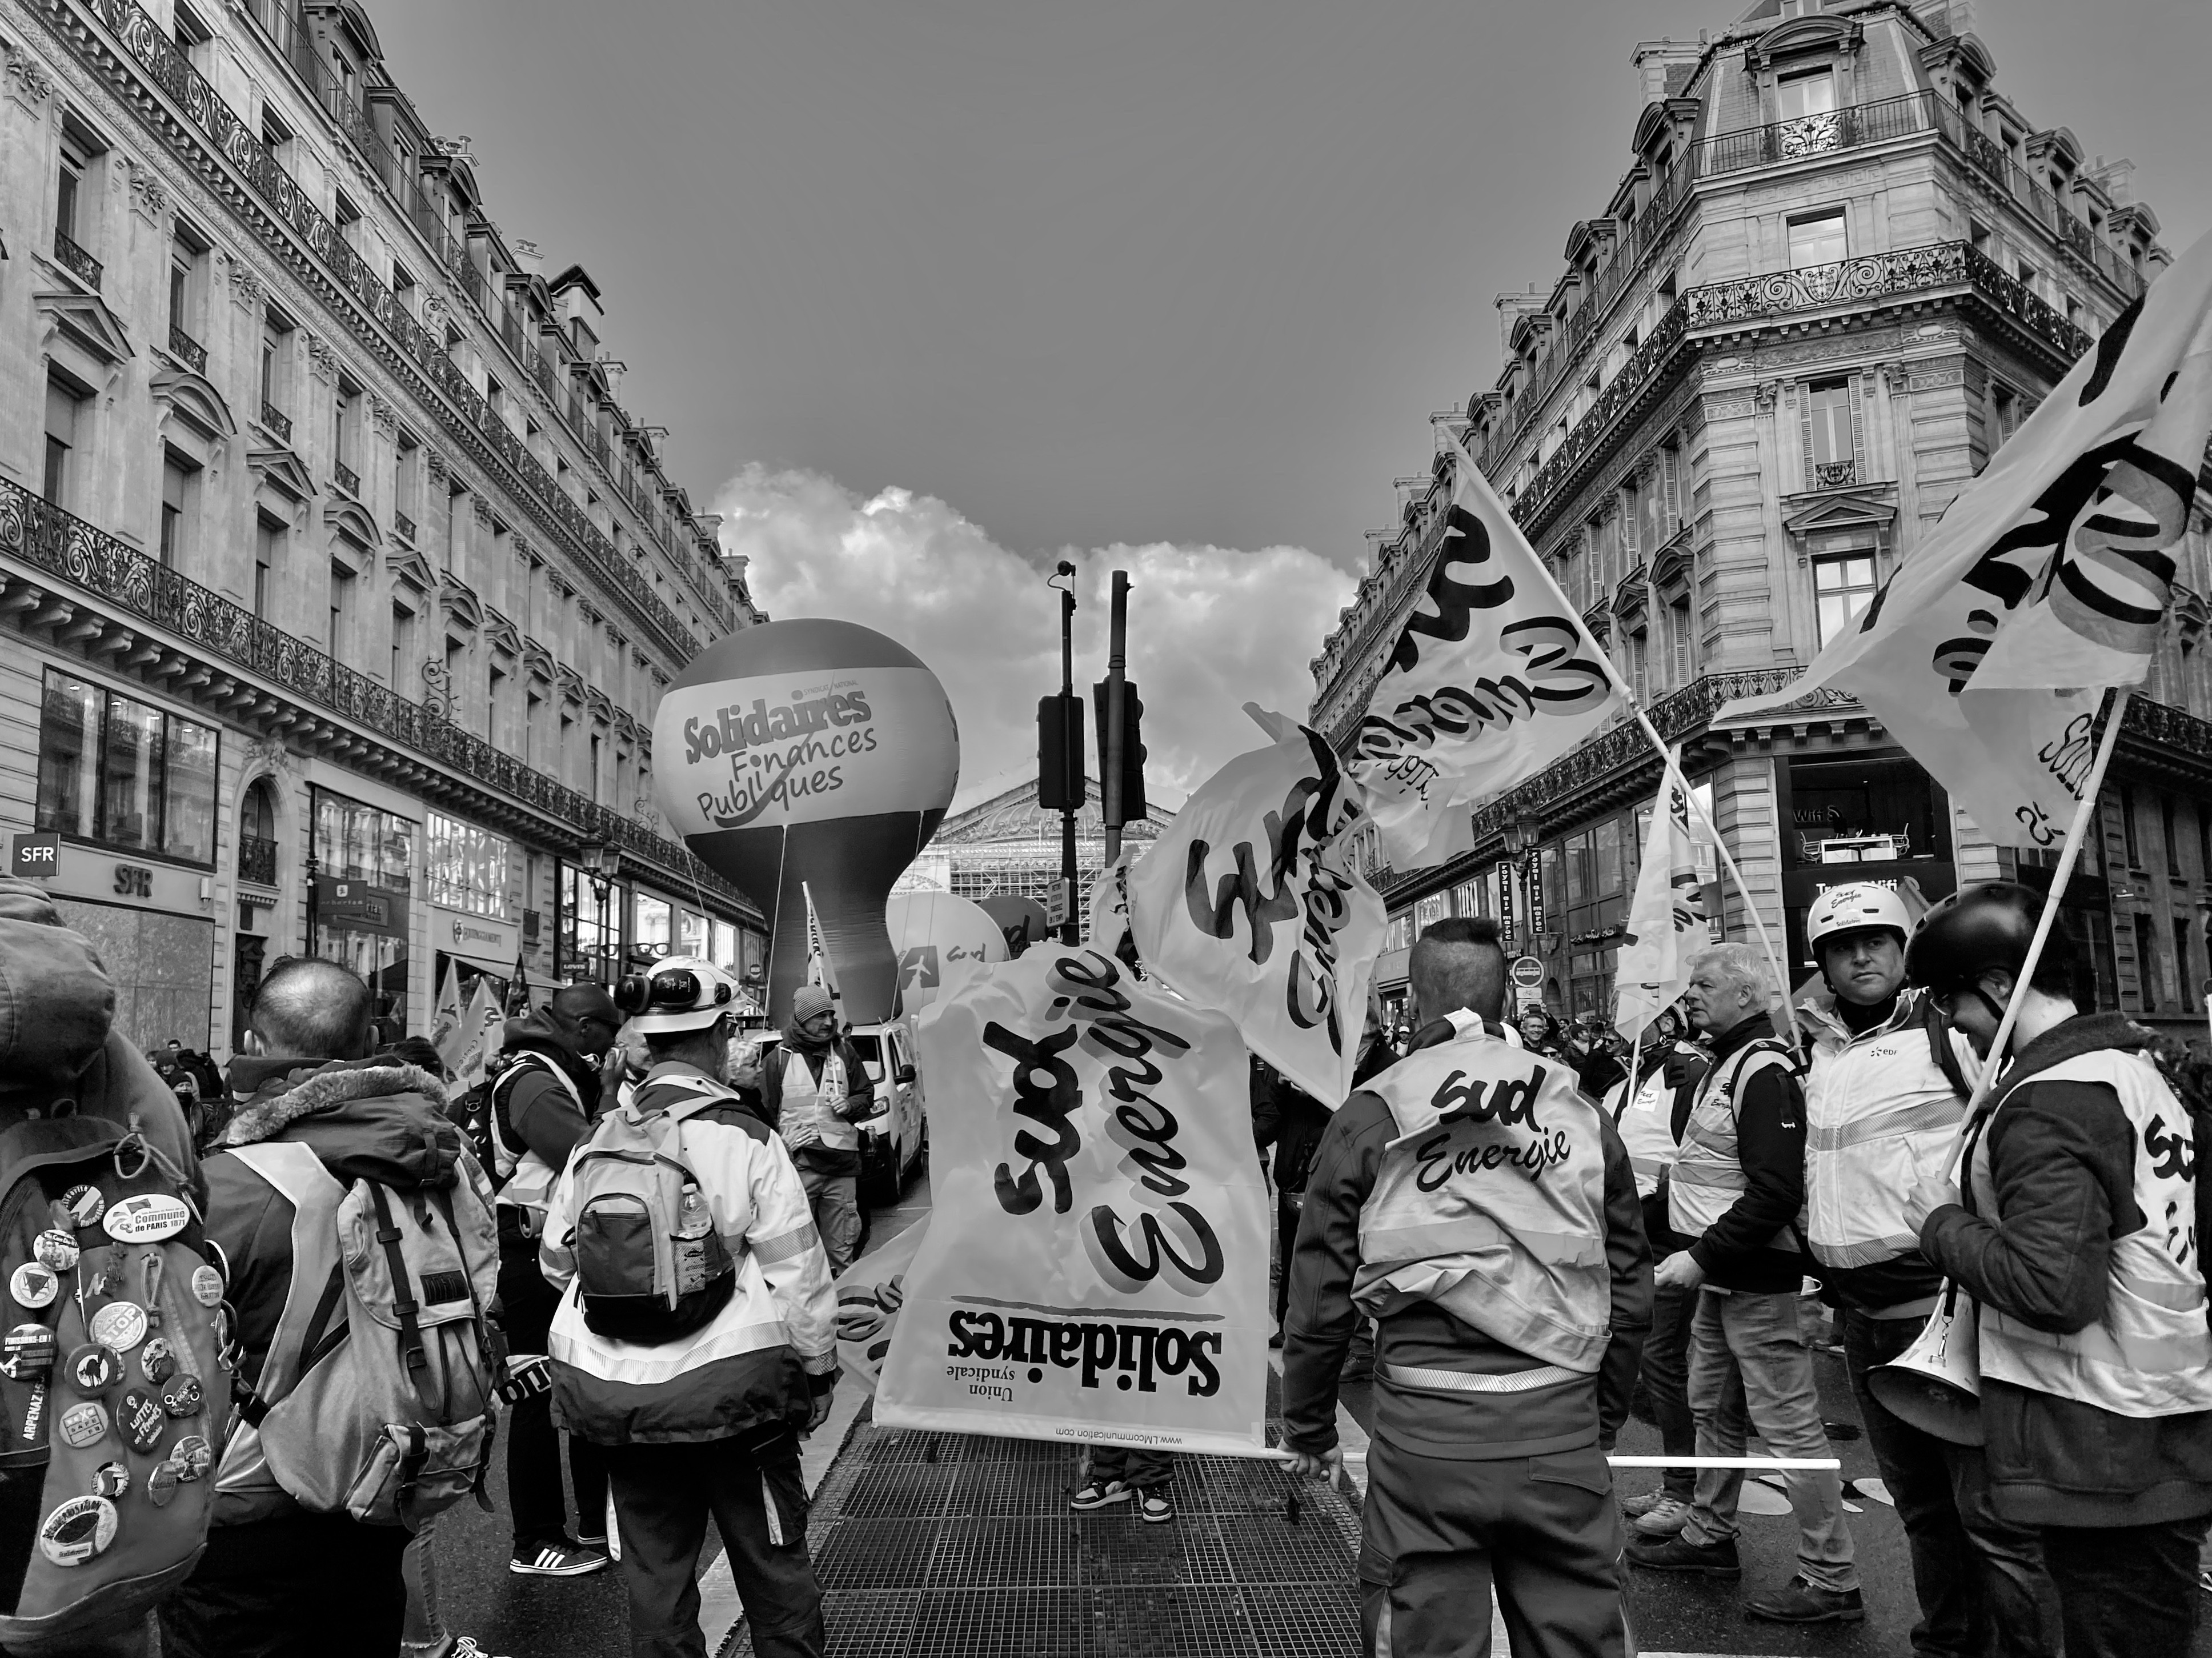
(894, 1134)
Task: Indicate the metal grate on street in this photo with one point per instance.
(955, 1546)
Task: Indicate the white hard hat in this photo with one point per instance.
(681, 992)
(1855, 908)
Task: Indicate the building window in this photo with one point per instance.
(72, 198)
(344, 426)
(187, 258)
(276, 342)
(268, 553)
(1808, 92)
(66, 419)
(2166, 835)
(355, 842)
(467, 868)
(2128, 827)
(191, 35)
(403, 648)
(1841, 588)
(2147, 964)
(179, 484)
(341, 602)
(276, 139)
(2004, 414)
(1816, 238)
(2181, 963)
(1828, 414)
(123, 772)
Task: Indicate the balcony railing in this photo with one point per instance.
(403, 526)
(71, 552)
(74, 258)
(346, 479)
(1835, 474)
(188, 350)
(256, 859)
(277, 420)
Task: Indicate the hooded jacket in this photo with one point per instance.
(543, 1104)
(2055, 1209)
(363, 1118)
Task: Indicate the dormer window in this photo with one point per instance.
(1806, 92)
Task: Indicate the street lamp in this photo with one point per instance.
(1071, 746)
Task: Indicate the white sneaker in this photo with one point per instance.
(1664, 1518)
(1101, 1493)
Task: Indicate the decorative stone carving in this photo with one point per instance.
(322, 361)
(1768, 392)
(245, 289)
(149, 195)
(435, 465)
(28, 81)
(386, 417)
(482, 509)
(1897, 377)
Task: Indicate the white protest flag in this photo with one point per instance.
(1667, 923)
(1096, 1267)
(1493, 678)
(481, 1034)
(1249, 903)
(446, 1018)
(2047, 579)
(820, 968)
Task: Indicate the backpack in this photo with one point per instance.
(650, 1266)
(377, 1396)
(112, 1390)
(482, 1115)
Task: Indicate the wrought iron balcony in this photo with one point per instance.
(346, 479)
(256, 859)
(1835, 474)
(75, 553)
(80, 263)
(188, 350)
(403, 526)
(276, 420)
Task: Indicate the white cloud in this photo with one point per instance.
(1210, 627)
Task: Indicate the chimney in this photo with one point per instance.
(615, 371)
(526, 256)
(2118, 178)
(1511, 307)
(1662, 67)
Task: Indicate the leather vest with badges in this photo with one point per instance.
(1880, 1116)
(1646, 1122)
(1708, 1177)
(1490, 1201)
(524, 1180)
(808, 1104)
(2150, 1355)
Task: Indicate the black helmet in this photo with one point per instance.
(1982, 927)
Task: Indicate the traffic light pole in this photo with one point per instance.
(1071, 746)
(1116, 684)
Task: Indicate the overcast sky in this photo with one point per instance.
(1180, 277)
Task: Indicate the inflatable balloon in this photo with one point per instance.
(1021, 920)
(815, 752)
(931, 931)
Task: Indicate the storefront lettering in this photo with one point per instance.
(133, 882)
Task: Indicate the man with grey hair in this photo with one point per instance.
(1736, 1192)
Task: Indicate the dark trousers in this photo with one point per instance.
(663, 1496)
(2126, 1591)
(1980, 1580)
(533, 1443)
(1148, 1471)
(304, 1586)
(1439, 1536)
(1667, 1384)
(1286, 1234)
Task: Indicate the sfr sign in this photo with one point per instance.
(38, 857)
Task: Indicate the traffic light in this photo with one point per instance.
(1133, 747)
(1060, 752)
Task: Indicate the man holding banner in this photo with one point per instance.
(1485, 1212)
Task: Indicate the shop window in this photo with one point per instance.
(124, 772)
(1841, 588)
(650, 923)
(586, 935)
(1817, 239)
(467, 866)
(359, 842)
(1428, 911)
(1865, 810)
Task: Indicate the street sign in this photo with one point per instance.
(1528, 972)
(1057, 902)
(38, 857)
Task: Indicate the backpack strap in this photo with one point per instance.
(403, 1303)
(489, 1342)
(1945, 1056)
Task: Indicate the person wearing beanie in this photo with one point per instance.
(815, 1089)
(541, 1104)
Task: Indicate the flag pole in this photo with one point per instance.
(2069, 855)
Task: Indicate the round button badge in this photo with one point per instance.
(184, 1396)
(79, 1529)
(33, 1285)
(207, 1286)
(93, 1369)
(142, 1421)
(28, 1350)
(120, 1325)
(83, 1424)
(84, 1204)
(56, 1249)
(161, 1482)
(112, 1481)
(157, 1361)
(193, 1456)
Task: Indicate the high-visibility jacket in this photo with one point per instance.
(2150, 1355)
(812, 1103)
(1708, 1175)
(1881, 1113)
(1490, 1201)
(524, 1179)
(1645, 1118)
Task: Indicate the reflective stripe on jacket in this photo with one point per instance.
(1881, 1114)
(1490, 1201)
(1708, 1175)
(2150, 1355)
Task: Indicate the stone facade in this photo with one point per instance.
(1840, 272)
(339, 587)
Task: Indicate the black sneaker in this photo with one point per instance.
(1798, 1602)
(1674, 1554)
(559, 1558)
(1100, 1494)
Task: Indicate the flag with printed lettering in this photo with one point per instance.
(820, 968)
(481, 1034)
(2048, 578)
(1667, 922)
(1493, 678)
(1095, 1267)
(1251, 903)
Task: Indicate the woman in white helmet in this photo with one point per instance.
(1883, 1101)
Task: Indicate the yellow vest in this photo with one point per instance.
(1490, 1202)
(1708, 1175)
(2151, 1353)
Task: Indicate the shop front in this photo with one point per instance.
(1871, 818)
(361, 900)
(474, 933)
(588, 907)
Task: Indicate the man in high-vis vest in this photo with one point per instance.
(1734, 1195)
(1883, 1100)
(541, 1105)
(815, 1088)
(1482, 1209)
(1650, 1108)
(2077, 1237)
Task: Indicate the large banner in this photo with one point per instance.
(1493, 678)
(2049, 576)
(1250, 903)
(1667, 921)
(1096, 1268)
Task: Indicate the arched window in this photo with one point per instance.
(256, 834)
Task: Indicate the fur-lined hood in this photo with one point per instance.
(363, 1118)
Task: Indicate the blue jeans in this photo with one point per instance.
(1753, 1340)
